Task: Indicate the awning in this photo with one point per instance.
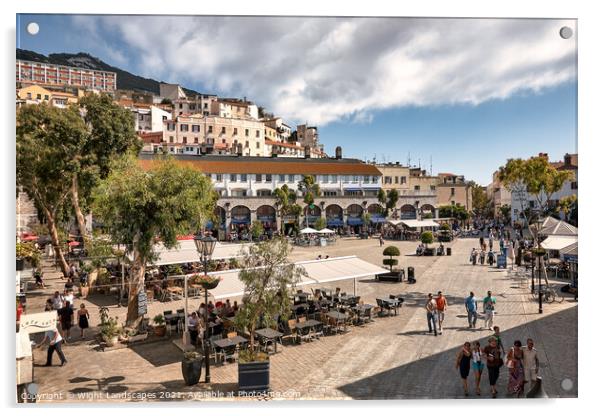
(355, 221)
(335, 222)
(557, 227)
(267, 218)
(394, 223)
(571, 250)
(318, 271)
(308, 230)
(241, 220)
(325, 231)
(377, 219)
(419, 223)
(187, 253)
(558, 242)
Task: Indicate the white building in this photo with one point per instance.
(150, 119)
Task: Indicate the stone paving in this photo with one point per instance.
(391, 358)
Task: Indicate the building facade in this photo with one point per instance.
(150, 119)
(453, 190)
(28, 72)
(348, 189)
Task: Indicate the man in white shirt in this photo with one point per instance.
(530, 362)
(57, 301)
(54, 344)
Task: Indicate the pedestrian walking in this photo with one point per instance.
(494, 362)
(530, 363)
(482, 257)
(473, 256)
(470, 303)
(83, 319)
(477, 365)
(54, 344)
(441, 302)
(489, 310)
(498, 338)
(516, 373)
(381, 241)
(491, 242)
(66, 319)
(431, 311)
(463, 364)
(57, 301)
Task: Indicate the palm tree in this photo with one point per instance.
(309, 189)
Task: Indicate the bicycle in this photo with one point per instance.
(548, 294)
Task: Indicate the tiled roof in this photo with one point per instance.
(246, 164)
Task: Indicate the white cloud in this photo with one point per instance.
(328, 69)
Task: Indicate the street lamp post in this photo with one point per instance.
(539, 262)
(532, 272)
(205, 246)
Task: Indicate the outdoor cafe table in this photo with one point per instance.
(338, 317)
(270, 334)
(310, 323)
(229, 342)
(362, 309)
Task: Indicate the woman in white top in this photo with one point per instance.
(477, 365)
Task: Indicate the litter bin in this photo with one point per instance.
(449, 251)
(411, 274)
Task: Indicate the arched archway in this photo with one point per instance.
(240, 214)
(407, 212)
(334, 216)
(354, 216)
(267, 215)
(377, 214)
(311, 214)
(426, 210)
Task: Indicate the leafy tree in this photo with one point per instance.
(426, 238)
(392, 198)
(391, 251)
(48, 140)
(445, 227)
(320, 223)
(256, 229)
(137, 207)
(310, 190)
(566, 204)
(269, 279)
(366, 217)
(166, 101)
(111, 133)
(382, 196)
(506, 210)
(482, 205)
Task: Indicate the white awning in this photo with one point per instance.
(308, 230)
(186, 252)
(394, 223)
(318, 271)
(419, 223)
(558, 227)
(571, 250)
(558, 242)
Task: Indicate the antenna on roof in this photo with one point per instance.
(431, 167)
(409, 159)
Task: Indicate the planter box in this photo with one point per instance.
(391, 276)
(254, 376)
(191, 371)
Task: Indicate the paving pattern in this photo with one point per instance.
(390, 358)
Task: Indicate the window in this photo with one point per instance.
(291, 178)
(191, 107)
(388, 180)
(247, 143)
(39, 96)
(235, 131)
(232, 177)
(375, 179)
(403, 179)
(164, 118)
(46, 97)
(196, 128)
(196, 139)
(29, 96)
(453, 202)
(396, 179)
(180, 106)
(171, 126)
(346, 178)
(219, 177)
(184, 140)
(171, 139)
(209, 141)
(268, 178)
(330, 193)
(356, 179)
(334, 179)
(243, 177)
(205, 105)
(210, 129)
(434, 188)
(247, 132)
(452, 190)
(257, 178)
(367, 179)
(281, 178)
(256, 133)
(140, 117)
(223, 130)
(183, 127)
(416, 187)
(257, 145)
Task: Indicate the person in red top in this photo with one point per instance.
(20, 310)
(441, 308)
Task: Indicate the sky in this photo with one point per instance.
(450, 95)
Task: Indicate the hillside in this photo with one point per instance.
(125, 80)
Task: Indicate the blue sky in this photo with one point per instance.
(468, 93)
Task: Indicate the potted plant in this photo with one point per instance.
(206, 281)
(27, 254)
(267, 292)
(192, 364)
(427, 238)
(390, 251)
(159, 327)
(110, 331)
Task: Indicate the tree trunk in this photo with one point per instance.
(56, 244)
(81, 222)
(135, 284)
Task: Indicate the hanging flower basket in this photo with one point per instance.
(206, 281)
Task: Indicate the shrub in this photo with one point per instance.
(445, 227)
(426, 238)
(391, 251)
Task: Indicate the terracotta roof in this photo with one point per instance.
(153, 137)
(275, 166)
(273, 143)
